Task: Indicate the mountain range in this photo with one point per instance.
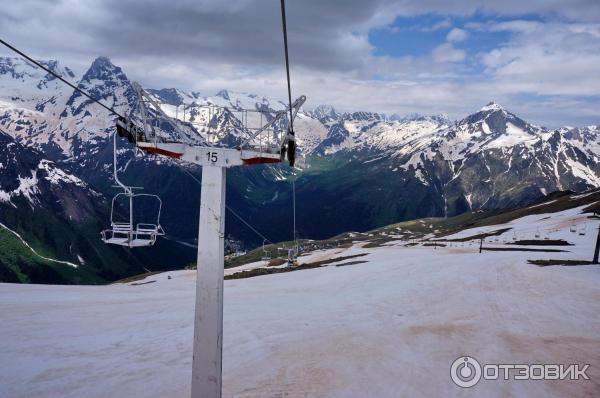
(362, 170)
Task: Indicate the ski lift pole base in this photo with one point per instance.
(208, 321)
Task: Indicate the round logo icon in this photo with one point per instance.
(465, 372)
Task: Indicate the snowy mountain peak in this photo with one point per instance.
(18, 68)
(23, 79)
(325, 112)
(55, 67)
(370, 116)
(223, 94)
(103, 69)
(497, 118)
(106, 82)
(441, 118)
(492, 106)
(170, 96)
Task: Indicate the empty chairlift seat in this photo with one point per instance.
(127, 231)
(130, 234)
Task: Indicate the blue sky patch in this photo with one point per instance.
(419, 36)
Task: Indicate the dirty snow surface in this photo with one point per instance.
(390, 327)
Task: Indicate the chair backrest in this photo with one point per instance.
(129, 234)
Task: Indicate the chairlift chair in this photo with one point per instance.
(292, 261)
(129, 233)
(266, 254)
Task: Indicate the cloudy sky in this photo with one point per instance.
(538, 58)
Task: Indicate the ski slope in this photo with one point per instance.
(390, 327)
(549, 226)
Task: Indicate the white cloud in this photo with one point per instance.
(547, 59)
(447, 53)
(456, 35)
(443, 24)
(517, 26)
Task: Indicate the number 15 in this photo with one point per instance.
(212, 157)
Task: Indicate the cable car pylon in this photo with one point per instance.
(208, 320)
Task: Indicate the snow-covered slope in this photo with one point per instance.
(27, 178)
(489, 159)
(28, 86)
(567, 156)
(389, 327)
(54, 118)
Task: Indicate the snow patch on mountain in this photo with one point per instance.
(583, 172)
(28, 182)
(492, 106)
(513, 136)
(57, 176)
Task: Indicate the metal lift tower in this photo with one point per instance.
(208, 322)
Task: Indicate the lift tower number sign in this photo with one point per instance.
(212, 157)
